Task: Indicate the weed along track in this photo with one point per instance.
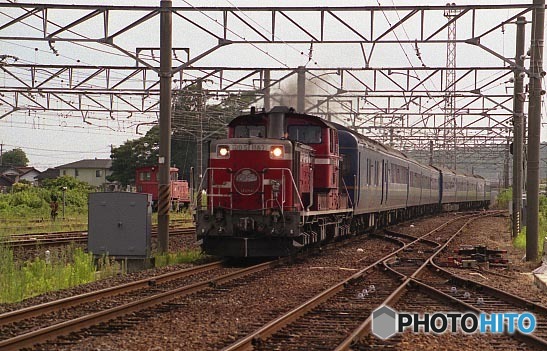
(206, 290)
(321, 300)
(27, 327)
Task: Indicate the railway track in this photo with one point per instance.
(336, 319)
(60, 238)
(27, 327)
(338, 322)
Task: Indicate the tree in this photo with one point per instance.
(132, 154)
(198, 119)
(15, 157)
(194, 121)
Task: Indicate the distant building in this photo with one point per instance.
(11, 173)
(5, 184)
(50, 173)
(93, 172)
(29, 174)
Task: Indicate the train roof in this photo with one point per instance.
(377, 145)
(261, 117)
(456, 173)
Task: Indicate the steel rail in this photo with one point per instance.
(32, 311)
(365, 327)
(273, 326)
(64, 328)
(27, 240)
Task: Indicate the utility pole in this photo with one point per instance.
(518, 119)
(164, 187)
(1, 152)
(431, 152)
(506, 166)
(301, 89)
(534, 130)
(200, 140)
(267, 83)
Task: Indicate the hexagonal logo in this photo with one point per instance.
(384, 322)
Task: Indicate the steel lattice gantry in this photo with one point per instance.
(380, 70)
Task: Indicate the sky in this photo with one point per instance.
(50, 139)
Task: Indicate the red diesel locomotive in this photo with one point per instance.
(146, 181)
(273, 186)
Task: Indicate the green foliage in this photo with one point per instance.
(504, 198)
(188, 256)
(190, 106)
(69, 182)
(16, 157)
(132, 154)
(520, 240)
(21, 280)
(26, 201)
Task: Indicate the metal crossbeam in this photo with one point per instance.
(405, 90)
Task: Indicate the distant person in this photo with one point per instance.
(54, 205)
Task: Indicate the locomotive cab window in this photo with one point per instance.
(305, 134)
(250, 132)
(145, 176)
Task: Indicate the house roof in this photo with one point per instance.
(5, 181)
(49, 173)
(25, 170)
(6, 169)
(101, 163)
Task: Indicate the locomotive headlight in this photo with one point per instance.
(276, 152)
(224, 151)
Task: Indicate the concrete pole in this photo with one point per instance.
(301, 89)
(267, 83)
(431, 152)
(164, 161)
(506, 166)
(518, 133)
(534, 130)
(200, 141)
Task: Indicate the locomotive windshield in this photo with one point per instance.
(305, 134)
(250, 131)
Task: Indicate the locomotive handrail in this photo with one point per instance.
(292, 180)
(200, 188)
(347, 192)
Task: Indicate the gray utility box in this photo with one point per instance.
(119, 224)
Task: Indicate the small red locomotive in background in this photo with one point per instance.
(146, 181)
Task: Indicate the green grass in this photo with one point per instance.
(41, 225)
(26, 210)
(520, 240)
(61, 270)
(187, 256)
(64, 269)
(504, 198)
